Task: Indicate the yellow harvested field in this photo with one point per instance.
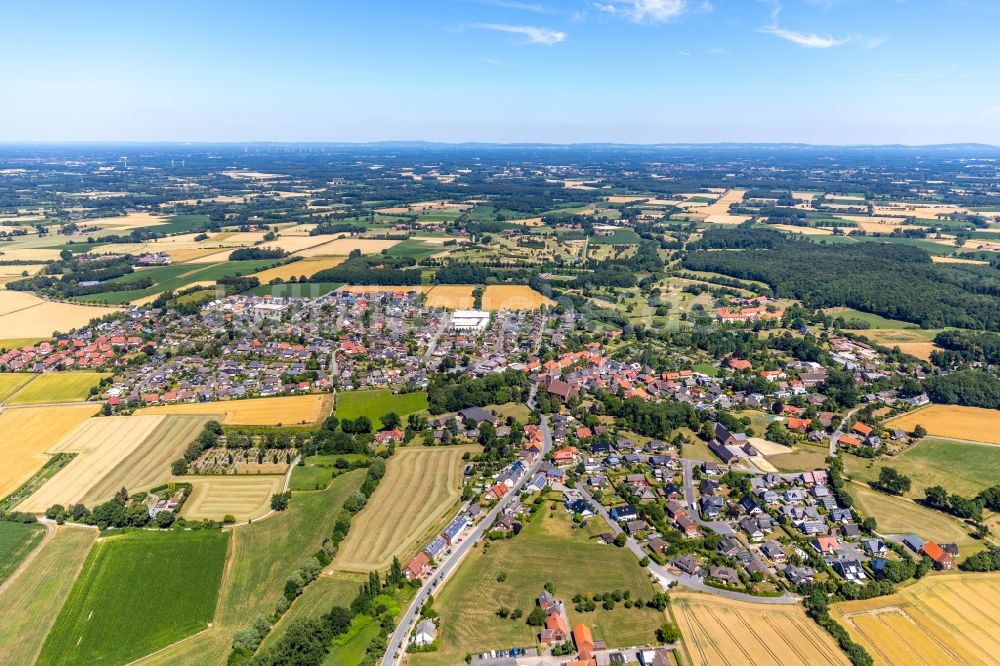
(128, 222)
(721, 205)
(513, 297)
(306, 267)
(185, 255)
(284, 410)
(295, 243)
(417, 495)
(378, 288)
(953, 421)
(937, 259)
(253, 175)
(423, 205)
(953, 618)
(245, 497)
(451, 296)
(725, 218)
(24, 315)
(149, 464)
(624, 199)
(100, 444)
(716, 630)
(12, 301)
(27, 432)
(921, 350)
(18, 270)
(343, 247)
(28, 254)
(808, 231)
(769, 448)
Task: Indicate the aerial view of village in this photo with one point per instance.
(563, 402)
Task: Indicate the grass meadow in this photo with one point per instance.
(376, 404)
(16, 541)
(548, 549)
(53, 387)
(138, 592)
(960, 467)
(263, 554)
(32, 601)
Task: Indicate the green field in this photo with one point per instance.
(15, 343)
(16, 541)
(179, 224)
(263, 555)
(549, 549)
(31, 602)
(176, 277)
(901, 516)
(53, 387)
(375, 404)
(873, 320)
(318, 471)
(620, 237)
(960, 467)
(317, 599)
(137, 593)
(804, 458)
(414, 248)
(11, 383)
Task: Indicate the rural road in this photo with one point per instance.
(397, 642)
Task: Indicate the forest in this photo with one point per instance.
(891, 280)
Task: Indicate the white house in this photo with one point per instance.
(425, 634)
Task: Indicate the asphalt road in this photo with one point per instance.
(398, 640)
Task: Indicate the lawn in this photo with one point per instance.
(32, 601)
(16, 541)
(960, 467)
(518, 410)
(874, 320)
(549, 549)
(263, 555)
(54, 387)
(137, 593)
(376, 404)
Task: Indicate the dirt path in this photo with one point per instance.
(50, 530)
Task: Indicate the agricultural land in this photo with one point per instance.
(288, 410)
(950, 619)
(419, 492)
(119, 610)
(723, 631)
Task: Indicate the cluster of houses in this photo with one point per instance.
(277, 346)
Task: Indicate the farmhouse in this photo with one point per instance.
(417, 567)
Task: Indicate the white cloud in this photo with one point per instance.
(531, 34)
(805, 39)
(643, 11)
(808, 40)
(516, 5)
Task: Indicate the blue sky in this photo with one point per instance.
(638, 71)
